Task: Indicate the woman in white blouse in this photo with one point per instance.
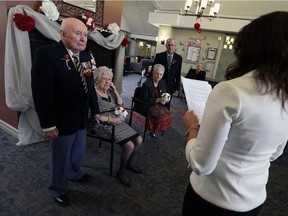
(244, 126)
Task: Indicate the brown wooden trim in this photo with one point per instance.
(68, 10)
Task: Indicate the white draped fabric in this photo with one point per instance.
(17, 67)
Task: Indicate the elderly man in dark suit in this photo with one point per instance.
(198, 73)
(172, 63)
(63, 89)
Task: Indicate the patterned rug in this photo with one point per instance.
(24, 176)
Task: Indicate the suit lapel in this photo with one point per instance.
(70, 69)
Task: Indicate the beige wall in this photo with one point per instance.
(112, 12)
(183, 36)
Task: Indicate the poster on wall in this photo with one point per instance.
(211, 53)
(192, 52)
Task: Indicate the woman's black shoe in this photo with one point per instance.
(152, 134)
(126, 183)
(134, 169)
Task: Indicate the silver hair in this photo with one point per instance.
(158, 67)
(101, 71)
(170, 39)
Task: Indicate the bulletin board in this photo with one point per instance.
(192, 52)
(211, 53)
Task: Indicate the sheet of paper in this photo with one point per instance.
(196, 93)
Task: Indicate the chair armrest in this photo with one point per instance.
(140, 101)
(140, 106)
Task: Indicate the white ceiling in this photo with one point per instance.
(135, 12)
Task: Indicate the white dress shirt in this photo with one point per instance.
(241, 132)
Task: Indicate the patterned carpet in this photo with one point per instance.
(24, 173)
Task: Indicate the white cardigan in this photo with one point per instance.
(241, 132)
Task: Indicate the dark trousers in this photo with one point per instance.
(67, 156)
(195, 205)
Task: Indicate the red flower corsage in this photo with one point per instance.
(66, 59)
(24, 22)
(88, 72)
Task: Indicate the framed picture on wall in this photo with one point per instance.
(209, 66)
(211, 53)
(192, 52)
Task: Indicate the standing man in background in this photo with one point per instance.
(62, 90)
(172, 63)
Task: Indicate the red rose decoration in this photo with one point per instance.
(65, 57)
(24, 22)
(88, 21)
(125, 42)
(197, 25)
(88, 73)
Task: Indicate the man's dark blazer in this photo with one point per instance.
(201, 75)
(148, 93)
(57, 90)
(173, 76)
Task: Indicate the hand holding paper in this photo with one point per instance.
(196, 93)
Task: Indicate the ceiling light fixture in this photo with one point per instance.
(201, 5)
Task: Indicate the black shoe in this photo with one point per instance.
(134, 169)
(126, 183)
(61, 200)
(85, 178)
(152, 134)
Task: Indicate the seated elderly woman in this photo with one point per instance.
(129, 140)
(159, 117)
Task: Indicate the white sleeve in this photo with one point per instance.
(222, 106)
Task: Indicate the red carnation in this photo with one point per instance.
(88, 72)
(65, 57)
(24, 22)
(197, 25)
(125, 42)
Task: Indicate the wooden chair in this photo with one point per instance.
(92, 133)
(141, 107)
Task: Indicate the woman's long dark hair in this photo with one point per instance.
(262, 45)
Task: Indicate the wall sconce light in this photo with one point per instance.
(141, 44)
(228, 43)
(162, 42)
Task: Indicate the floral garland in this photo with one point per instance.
(125, 42)
(50, 10)
(114, 28)
(24, 22)
(88, 21)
